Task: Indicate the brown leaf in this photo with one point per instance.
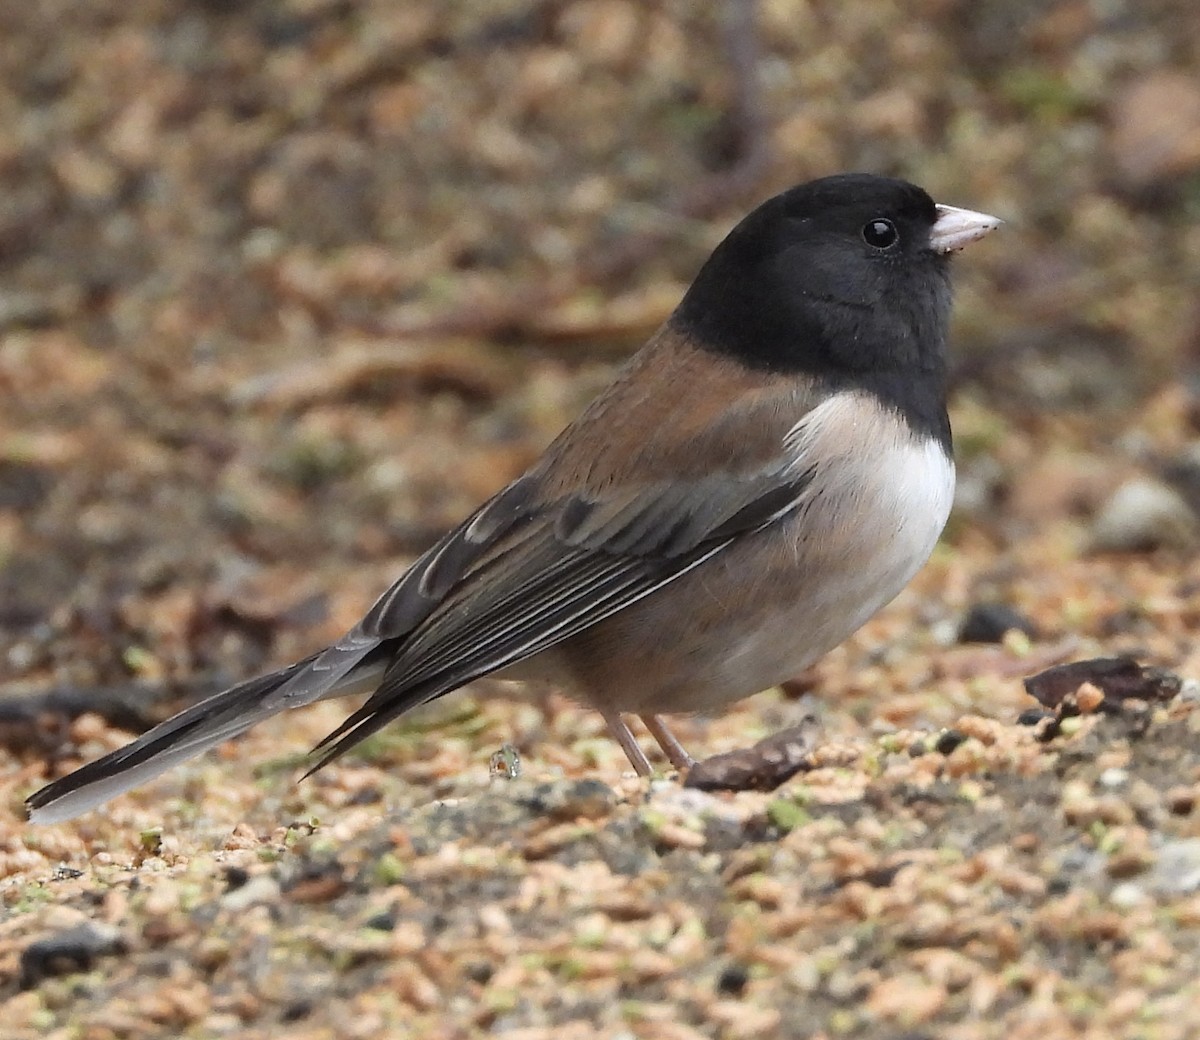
(1118, 678)
(763, 767)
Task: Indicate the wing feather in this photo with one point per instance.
(544, 589)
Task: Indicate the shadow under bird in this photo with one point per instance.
(769, 470)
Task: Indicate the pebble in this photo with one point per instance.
(71, 950)
(260, 889)
(1127, 895)
(1114, 777)
(1032, 716)
(988, 623)
(1141, 515)
(1176, 869)
(948, 740)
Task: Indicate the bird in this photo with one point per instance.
(769, 470)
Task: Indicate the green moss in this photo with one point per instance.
(389, 870)
(653, 820)
(498, 1001)
(1070, 725)
(786, 815)
(570, 969)
(43, 1019)
(843, 1022)
(591, 935)
(31, 897)
(138, 660)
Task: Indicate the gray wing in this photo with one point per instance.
(524, 574)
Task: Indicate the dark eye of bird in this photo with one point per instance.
(880, 233)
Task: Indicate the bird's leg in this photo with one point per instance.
(667, 740)
(621, 734)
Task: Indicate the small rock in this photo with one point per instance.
(988, 622)
(1032, 716)
(1127, 895)
(733, 980)
(1089, 698)
(383, 921)
(1141, 515)
(1114, 777)
(259, 889)
(1176, 870)
(75, 949)
(1180, 800)
(948, 741)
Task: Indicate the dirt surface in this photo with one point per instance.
(287, 288)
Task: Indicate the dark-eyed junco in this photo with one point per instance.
(768, 471)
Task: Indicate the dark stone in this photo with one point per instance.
(733, 980)
(987, 623)
(296, 1010)
(72, 950)
(1032, 716)
(948, 741)
(480, 972)
(235, 878)
(384, 921)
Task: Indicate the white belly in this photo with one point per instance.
(861, 567)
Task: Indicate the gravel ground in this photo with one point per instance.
(287, 288)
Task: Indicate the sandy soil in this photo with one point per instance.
(287, 288)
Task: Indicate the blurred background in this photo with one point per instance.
(287, 287)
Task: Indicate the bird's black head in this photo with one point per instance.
(844, 279)
(835, 275)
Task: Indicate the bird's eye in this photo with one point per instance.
(880, 233)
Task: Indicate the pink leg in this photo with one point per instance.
(620, 733)
(674, 750)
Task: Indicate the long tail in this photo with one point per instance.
(190, 733)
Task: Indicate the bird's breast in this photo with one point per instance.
(778, 599)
